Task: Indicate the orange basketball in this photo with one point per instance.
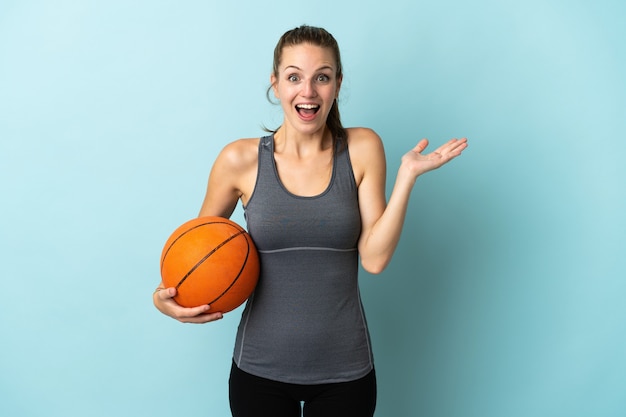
(210, 260)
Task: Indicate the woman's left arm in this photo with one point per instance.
(382, 221)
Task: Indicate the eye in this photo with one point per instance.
(323, 78)
(293, 78)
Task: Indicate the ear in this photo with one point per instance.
(339, 80)
(273, 83)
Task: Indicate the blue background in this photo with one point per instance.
(506, 295)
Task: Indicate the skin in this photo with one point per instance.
(303, 154)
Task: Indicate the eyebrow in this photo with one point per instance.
(325, 67)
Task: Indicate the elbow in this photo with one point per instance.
(374, 267)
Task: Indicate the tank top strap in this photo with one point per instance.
(267, 172)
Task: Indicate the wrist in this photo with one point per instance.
(406, 176)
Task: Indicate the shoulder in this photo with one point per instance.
(366, 151)
(232, 176)
(239, 154)
(359, 137)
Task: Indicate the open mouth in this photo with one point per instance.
(307, 110)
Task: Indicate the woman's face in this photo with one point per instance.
(306, 86)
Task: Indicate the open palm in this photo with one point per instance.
(419, 163)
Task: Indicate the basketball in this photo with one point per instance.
(210, 260)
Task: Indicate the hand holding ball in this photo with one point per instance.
(210, 260)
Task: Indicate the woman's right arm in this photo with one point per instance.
(232, 177)
(163, 299)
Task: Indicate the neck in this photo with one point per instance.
(289, 140)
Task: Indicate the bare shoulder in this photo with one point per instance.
(363, 137)
(366, 151)
(239, 155)
(232, 177)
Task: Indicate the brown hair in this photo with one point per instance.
(318, 37)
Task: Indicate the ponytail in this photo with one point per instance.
(318, 37)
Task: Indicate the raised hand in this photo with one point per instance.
(418, 163)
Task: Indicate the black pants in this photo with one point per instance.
(252, 396)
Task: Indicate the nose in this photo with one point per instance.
(308, 89)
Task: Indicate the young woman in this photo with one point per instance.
(313, 194)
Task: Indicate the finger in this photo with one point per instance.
(421, 145)
(458, 146)
(166, 293)
(199, 315)
(459, 142)
(193, 311)
(204, 318)
(453, 146)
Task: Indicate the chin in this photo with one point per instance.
(307, 128)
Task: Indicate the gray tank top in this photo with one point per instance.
(305, 323)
